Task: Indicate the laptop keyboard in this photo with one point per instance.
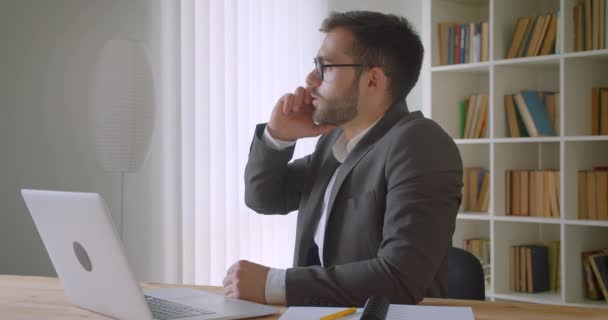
(165, 309)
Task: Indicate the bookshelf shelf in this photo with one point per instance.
(541, 61)
(572, 74)
(527, 140)
(483, 67)
(473, 216)
(528, 219)
(472, 141)
(590, 223)
(586, 138)
(542, 297)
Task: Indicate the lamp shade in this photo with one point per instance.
(122, 106)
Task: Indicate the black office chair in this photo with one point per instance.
(465, 276)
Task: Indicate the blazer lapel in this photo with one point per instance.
(392, 116)
(312, 212)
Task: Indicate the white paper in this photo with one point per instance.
(396, 312)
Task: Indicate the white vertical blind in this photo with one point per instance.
(237, 59)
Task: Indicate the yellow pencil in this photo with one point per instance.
(339, 314)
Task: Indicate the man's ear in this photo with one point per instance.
(377, 80)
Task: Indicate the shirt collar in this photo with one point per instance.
(342, 147)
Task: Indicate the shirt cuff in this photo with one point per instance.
(275, 287)
(274, 143)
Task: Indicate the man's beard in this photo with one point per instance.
(340, 110)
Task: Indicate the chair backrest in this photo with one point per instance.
(465, 276)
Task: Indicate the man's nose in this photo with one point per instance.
(312, 79)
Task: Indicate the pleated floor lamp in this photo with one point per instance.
(122, 109)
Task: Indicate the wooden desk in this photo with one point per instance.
(43, 298)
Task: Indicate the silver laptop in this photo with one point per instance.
(83, 245)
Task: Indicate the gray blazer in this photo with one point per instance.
(392, 211)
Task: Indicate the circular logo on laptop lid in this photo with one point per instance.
(82, 256)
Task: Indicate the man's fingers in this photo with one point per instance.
(298, 99)
(307, 97)
(288, 104)
(228, 290)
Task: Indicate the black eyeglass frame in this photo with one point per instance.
(319, 66)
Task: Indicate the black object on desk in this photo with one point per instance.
(376, 308)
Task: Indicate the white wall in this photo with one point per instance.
(412, 11)
(46, 58)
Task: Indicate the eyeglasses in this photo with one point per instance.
(319, 66)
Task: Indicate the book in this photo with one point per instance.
(537, 34)
(595, 33)
(526, 40)
(555, 195)
(602, 22)
(547, 184)
(516, 203)
(577, 31)
(451, 45)
(512, 123)
(471, 43)
(482, 115)
(599, 265)
(582, 195)
(523, 272)
(484, 193)
(518, 276)
(592, 290)
(512, 274)
(538, 268)
(462, 115)
(554, 262)
(456, 44)
(549, 41)
(595, 111)
(518, 36)
(508, 193)
(443, 39)
(588, 31)
(471, 109)
(463, 43)
(485, 41)
(525, 192)
(534, 114)
(552, 105)
(591, 196)
(543, 35)
(603, 111)
(601, 196)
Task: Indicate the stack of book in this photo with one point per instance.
(593, 194)
(480, 248)
(532, 114)
(590, 25)
(532, 193)
(535, 268)
(463, 43)
(595, 266)
(476, 195)
(599, 111)
(473, 117)
(534, 36)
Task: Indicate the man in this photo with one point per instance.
(377, 199)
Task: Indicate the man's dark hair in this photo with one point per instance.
(383, 40)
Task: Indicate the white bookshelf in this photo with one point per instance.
(570, 73)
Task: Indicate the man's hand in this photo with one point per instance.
(247, 281)
(291, 117)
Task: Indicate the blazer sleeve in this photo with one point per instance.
(423, 173)
(272, 184)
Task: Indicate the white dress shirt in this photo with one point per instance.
(275, 281)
